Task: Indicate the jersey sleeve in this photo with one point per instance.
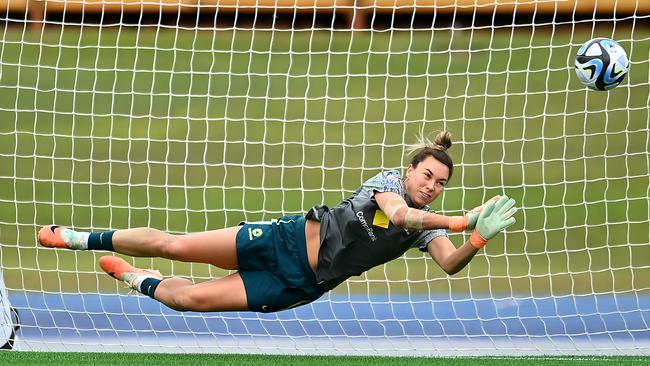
(386, 181)
(425, 238)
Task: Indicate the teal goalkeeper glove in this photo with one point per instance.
(468, 221)
(472, 215)
(494, 218)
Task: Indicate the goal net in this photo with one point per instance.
(188, 118)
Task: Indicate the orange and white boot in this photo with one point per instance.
(54, 236)
(119, 269)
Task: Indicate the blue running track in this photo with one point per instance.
(79, 318)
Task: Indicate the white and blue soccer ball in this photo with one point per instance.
(601, 64)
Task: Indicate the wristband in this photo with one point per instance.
(458, 223)
(477, 240)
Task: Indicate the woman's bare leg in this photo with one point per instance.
(216, 247)
(223, 294)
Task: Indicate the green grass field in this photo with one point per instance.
(188, 130)
(111, 359)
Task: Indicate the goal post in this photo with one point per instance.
(185, 123)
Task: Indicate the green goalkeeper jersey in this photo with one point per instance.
(356, 235)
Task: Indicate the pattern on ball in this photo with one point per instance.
(601, 64)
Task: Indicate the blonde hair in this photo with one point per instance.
(436, 148)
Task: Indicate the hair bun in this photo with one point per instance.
(442, 141)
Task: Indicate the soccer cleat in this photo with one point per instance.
(50, 236)
(54, 236)
(119, 269)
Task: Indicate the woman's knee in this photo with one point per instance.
(170, 246)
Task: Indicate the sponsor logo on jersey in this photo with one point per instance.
(365, 225)
(380, 219)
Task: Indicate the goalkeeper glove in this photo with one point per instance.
(472, 215)
(494, 218)
(460, 223)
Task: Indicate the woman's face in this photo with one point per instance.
(425, 182)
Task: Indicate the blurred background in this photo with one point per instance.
(196, 115)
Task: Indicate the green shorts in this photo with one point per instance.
(272, 261)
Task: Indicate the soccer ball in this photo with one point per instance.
(601, 64)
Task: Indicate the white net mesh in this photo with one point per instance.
(199, 119)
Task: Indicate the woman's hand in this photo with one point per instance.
(493, 219)
(472, 215)
(468, 221)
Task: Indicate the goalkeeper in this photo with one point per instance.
(294, 260)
